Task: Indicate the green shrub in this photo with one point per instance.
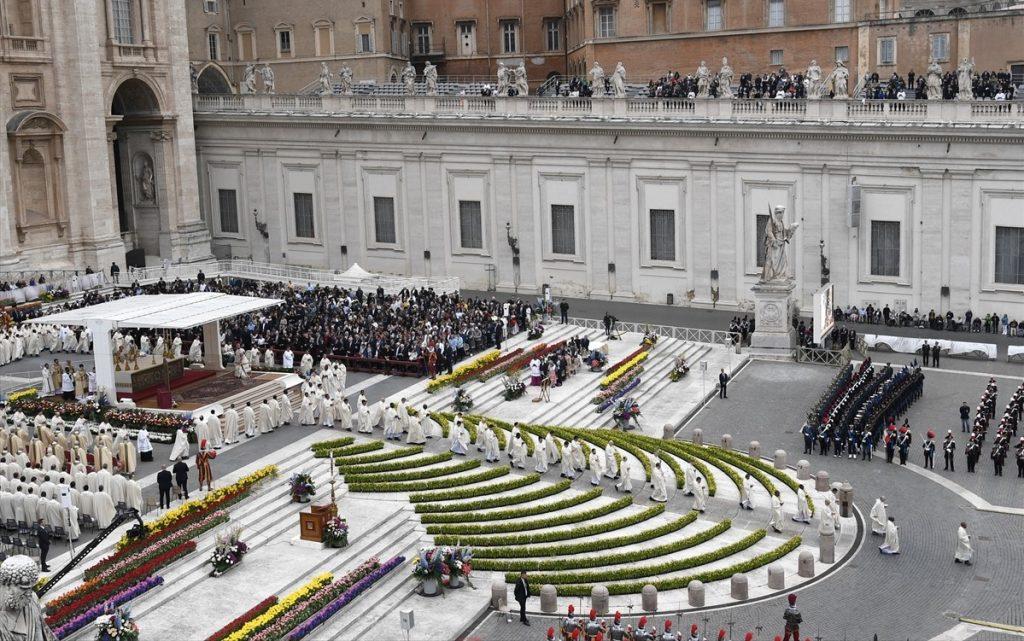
(395, 466)
(380, 457)
(358, 448)
(537, 524)
(499, 515)
(497, 501)
(432, 484)
(482, 490)
(322, 449)
(413, 475)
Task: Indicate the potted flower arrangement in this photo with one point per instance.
(458, 566)
(462, 402)
(228, 551)
(514, 388)
(336, 533)
(427, 567)
(626, 414)
(536, 331)
(118, 625)
(302, 488)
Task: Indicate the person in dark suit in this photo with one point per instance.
(926, 351)
(723, 383)
(563, 307)
(164, 481)
(181, 477)
(522, 592)
(936, 352)
(43, 538)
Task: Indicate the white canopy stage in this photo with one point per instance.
(160, 311)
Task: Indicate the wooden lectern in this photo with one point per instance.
(312, 523)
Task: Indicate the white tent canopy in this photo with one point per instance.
(162, 311)
(356, 272)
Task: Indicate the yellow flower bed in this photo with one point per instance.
(169, 518)
(628, 365)
(462, 371)
(25, 393)
(283, 606)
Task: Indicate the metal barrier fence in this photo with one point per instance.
(274, 272)
(828, 357)
(693, 335)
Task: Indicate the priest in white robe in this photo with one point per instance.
(964, 552)
(306, 410)
(103, 508)
(803, 511)
(489, 440)
(700, 495)
(231, 425)
(343, 415)
(878, 516)
(775, 523)
(180, 447)
(430, 427)
(540, 457)
(286, 408)
(415, 435)
(747, 492)
(263, 418)
(553, 454)
(195, 352)
(213, 427)
(611, 461)
(891, 545)
(288, 359)
(625, 483)
(659, 493)
(519, 452)
(133, 495)
(596, 466)
(460, 438)
(363, 415)
(567, 469)
(249, 420)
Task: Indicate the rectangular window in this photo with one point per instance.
(606, 22)
(714, 19)
(304, 227)
(384, 220)
(939, 46)
(246, 50)
(776, 13)
(422, 38)
(761, 224)
(284, 41)
(659, 17)
(1010, 255)
(214, 45)
(776, 57)
(563, 229)
(553, 31)
(323, 40)
(227, 200)
(663, 234)
(509, 36)
(365, 45)
(467, 38)
(471, 225)
(887, 51)
(210, 6)
(885, 248)
(124, 20)
(840, 10)
(843, 54)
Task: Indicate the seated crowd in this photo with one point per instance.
(991, 323)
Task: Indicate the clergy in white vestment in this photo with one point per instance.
(133, 495)
(964, 552)
(746, 492)
(625, 483)
(776, 519)
(827, 524)
(540, 457)
(118, 489)
(415, 435)
(306, 410)
(327, 412)
(195, 351)
(343, 414)
(71, 520)
(231, 425)
(87, 503)
(215, 431)
(833, 506)
(567, 469)
(263, 419)
(596, 466)
(392, 424)
(659, 492)
(891, 545)
(285, 405)
(305, 364)
(377, 413)
(363, 415)
(47, 381)
(579, 461)
(878, 516)
(103, 508)
(611, 461)
(180, 447)
(689, 478)
(288, 359)
(460, 438)
(700, 495)
(249, 420)
(176, 347)
(430, 427)
(803, 510)
(126, 455)
(554, 455)
(275, 413)
(403, 415)
(30, 505)
(492, 451)
(268, 358)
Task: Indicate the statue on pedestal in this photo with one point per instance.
(249, 79)
(325, 80)
(430, 75)
(269, 83)
(409, 79)
(522, 86)
(619, 81)
(815, 85)
(597, 79)
(777, 235)
(703, 80)
(194, 74)
(345, 80)
(965, 80)
(503, 80)
(839, 78)
(725, 75)
(933, 81)
(21, 616)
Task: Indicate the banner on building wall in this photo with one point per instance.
(824, 321)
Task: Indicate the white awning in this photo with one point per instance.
(162, 311)
(358, 273)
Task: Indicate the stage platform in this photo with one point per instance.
(216, 389)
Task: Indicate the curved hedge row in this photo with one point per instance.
(537, 524)
(323, 449)
(381, 457)
(700, 462)
(413, 475)
(500, 427)
(579, 563)
(765, 467)
(358, 448)
(454, 509)
(553, 535)
(500, 515)
(720, 574)
(394, 466)
(442, 421)
(483, 490)
(433, 484)
(640, 571)
(593, 545)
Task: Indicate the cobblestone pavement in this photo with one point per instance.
(915, 595)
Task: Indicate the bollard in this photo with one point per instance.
(803, 470)
(827, 547)
(695, 594)
(846, 500)
(548, 599)
(499, 594)
(739, 589)
(754, 449)
(821, 483)
(727, 441)
(776, 577)
(599, 599)
(780, 459)
(698, 436)
(649, 598)
(668, 432)
(805, 565)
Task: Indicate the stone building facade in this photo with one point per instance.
(629, 199)
(99, 153)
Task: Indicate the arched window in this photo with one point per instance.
(958, 12)
(35, 206)
(924, 13)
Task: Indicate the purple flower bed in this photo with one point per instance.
(332, 608)
(90, 615)
(603, 407)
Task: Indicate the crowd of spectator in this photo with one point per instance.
(988, 85)
(991, 323)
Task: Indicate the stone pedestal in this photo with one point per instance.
(695, 594)
(754, 450)
(776, 577)
(827, 548)
(548, 599)
(727, 441)
(774, 336)
(599, 599)
(499, 594)
(803, 470)
(739, 587)
(649, 598)
(668, 431)
(780, 459)
(846, 500)
(821, 481)
(805, 564)
(698, 436)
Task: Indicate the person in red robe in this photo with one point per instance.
(203, 459)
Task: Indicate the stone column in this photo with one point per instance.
(649, 598)
(803, 470)
(739, 587)
(548, 599)
(599, 599)
(698, 436)
(103, 354)
(727, 441)
(211, 346)
(805, 564)
(755, 449)
(776, 577)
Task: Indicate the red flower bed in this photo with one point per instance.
(499, 365)
(540, 351)
(632, 355)
(89, 594)
(237, 624)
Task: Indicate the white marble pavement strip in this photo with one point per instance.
(978, 502)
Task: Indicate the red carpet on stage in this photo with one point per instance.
(190, 376)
